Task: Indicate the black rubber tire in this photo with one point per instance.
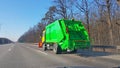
(44, 47)
(57, 49)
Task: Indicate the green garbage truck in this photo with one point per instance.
(65, 36)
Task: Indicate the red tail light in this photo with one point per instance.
(89, 32)
(40, 44)
(66, 30)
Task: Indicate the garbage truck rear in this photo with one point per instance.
(65, 35)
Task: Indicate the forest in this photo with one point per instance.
(100, 17)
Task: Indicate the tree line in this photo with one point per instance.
(100, 17)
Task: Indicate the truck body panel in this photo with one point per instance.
(68, 34)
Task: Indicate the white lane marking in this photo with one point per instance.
(37, 50)
(11, 48)
(41, 52)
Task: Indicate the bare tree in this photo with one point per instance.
(101, 17)
(118, 1)
(61, 6)
(84, 7)
(50, 15)
(108, 5)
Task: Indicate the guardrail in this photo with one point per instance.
(107, 48)
(101, 46)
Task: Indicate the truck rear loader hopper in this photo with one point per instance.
(65, 35)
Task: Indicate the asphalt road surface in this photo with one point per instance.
(21, 55)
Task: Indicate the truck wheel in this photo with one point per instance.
(44, 47)
(57, 49)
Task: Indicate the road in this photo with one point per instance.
(23, 55)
